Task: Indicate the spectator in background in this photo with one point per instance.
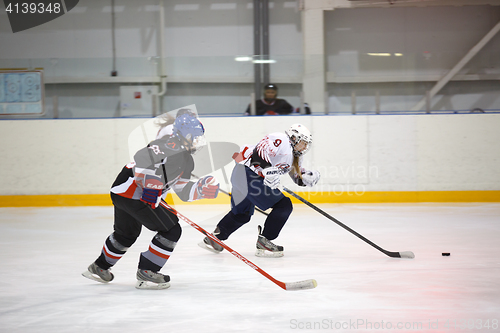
(270, 104)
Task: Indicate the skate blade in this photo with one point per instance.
(151, 285)
(208, 248)
(94, 277)
(268, 254)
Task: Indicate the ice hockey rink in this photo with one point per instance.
(45, 250)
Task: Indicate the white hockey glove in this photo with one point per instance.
(271, 177)
(310, 177)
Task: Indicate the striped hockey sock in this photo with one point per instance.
(111, 252)
(158, 253)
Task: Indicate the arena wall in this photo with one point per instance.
(378, 158)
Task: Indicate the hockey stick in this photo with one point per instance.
(299, 285)
(256, 208)
(404, 254)
(229, 194)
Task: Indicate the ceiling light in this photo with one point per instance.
(380, 54)
(243, 58)
(270, 61)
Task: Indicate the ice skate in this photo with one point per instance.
(266, 248)
(210, 245)
(98, 274)
(147, 279)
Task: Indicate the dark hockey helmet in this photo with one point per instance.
(191, 132)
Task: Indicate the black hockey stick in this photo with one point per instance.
(299, 285)
(404, 254)
(229, 194)
(256, 208)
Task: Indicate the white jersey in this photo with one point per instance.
(274, 150)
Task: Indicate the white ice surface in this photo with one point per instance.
(43, 252)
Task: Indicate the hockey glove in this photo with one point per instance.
(271, 177)
(151, 191)
(310, 178)
(207, 188)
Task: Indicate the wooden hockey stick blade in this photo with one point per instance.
(407, 254)
(300, 285)
(404, 254)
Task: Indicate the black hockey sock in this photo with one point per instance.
(230, 223)
(277, 218)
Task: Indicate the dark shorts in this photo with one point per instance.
(131, 215)
(249, 191)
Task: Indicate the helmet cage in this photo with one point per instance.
(297, 134)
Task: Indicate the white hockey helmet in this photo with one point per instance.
(298, 133)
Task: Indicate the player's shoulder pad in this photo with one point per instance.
(277, 135)
(280, 137)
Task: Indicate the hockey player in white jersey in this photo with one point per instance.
(255, 181)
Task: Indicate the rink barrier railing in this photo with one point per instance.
(313, 197)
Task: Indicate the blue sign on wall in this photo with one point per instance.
(21, 93)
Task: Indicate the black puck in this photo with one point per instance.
(445, 254)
